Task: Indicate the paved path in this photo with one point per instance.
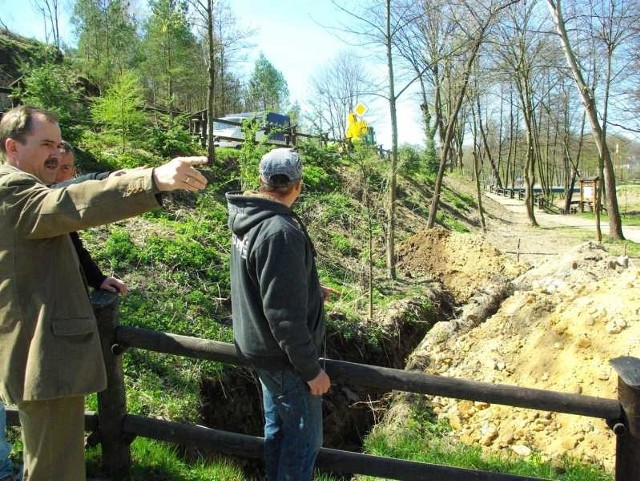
(631, 233)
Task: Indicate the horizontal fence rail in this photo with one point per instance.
(90, 419)
(387, 378)
(335, 460)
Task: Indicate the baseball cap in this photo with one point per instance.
(280, 167)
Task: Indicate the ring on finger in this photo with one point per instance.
(186, 181)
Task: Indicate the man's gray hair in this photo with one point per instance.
(67, 148)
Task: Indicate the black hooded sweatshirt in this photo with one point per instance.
(276, 297)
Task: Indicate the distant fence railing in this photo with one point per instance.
(289, 135)
(539, 200)
(543, 202)
(115, 429)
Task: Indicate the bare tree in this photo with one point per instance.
(233, 42)
(49, 11)
(207, 10)
(379, 24)
(479, 145)
(336, 89)
(425, 45)
(477, 20)
(523, 53)
(223, 42)
(599, 133)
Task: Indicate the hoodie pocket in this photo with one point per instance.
(73, 326)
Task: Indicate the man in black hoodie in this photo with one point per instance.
(278, 314)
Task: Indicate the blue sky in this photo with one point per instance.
(291, 35)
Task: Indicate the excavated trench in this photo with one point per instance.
(232, 402)
(462, 279)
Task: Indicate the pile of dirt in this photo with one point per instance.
(558, 330)
(463, 263)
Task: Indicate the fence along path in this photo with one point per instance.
(115, 429)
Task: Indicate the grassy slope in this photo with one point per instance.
(175, 262)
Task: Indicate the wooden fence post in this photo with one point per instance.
(628, 434)
(112, 405)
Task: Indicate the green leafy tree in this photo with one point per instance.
(120, 112)
(55, 87)
(173, 63)
(107, 39)
(268, 90)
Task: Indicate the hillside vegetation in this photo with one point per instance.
(175, 262)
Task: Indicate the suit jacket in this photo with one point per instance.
(49, 343)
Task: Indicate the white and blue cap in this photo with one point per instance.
(280, 167)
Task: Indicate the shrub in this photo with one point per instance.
(319, 179)
(171, 139)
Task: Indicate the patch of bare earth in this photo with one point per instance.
(463, 263)
(566, 317)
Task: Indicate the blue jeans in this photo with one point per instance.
(292, 426)
(5, 448)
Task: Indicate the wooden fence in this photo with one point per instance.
(115, 429)
(539, 199)
(543, 202)
(291, 135)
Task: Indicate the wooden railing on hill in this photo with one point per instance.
(290, 135)
(115, 429)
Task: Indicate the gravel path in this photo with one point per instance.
(516, 206)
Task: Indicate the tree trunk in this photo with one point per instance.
(211, 153)
(448, 137)
(615, 222)
(487, 148)
(529, 181)
(391, 213)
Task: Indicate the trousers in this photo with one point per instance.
(292, 427)
(53, 439)
(5, 448)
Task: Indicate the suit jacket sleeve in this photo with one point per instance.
(46, 213)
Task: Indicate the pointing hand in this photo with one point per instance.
(180, 173)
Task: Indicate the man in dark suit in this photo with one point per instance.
(91, 271)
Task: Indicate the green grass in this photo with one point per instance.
(628, 198)
(426, 440)
(158, 461)
(621, 247)
(614, 246)
(627, 219)
(450, 222)
(408, 446)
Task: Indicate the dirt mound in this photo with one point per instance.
(560, 328)
(461, 262)
(570, 309)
